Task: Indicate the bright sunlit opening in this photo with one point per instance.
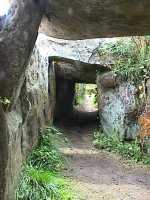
(4, 7)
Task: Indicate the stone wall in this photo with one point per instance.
(23, 123)
(117, 107)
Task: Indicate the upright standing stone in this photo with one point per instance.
(117, 106)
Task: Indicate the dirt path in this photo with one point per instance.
(100, 175)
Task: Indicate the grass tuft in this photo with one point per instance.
(129, 150)
(41, 179)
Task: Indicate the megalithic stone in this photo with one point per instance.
(17, 38)
(81, 19)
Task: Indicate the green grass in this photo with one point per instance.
(47, 155)
(128, 150)
(41, 178)
(38, 184)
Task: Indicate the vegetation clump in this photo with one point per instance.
(41, 179)
(131, 57)
(129, 150)
(83, 90)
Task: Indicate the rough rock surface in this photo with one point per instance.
(77, 71)
(33, 110)
(117, 109)
(82, 50)
(83, 19)
(17, 39)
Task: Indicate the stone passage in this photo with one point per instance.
(28, 82)
(69, 72)
(48, 90)
(117, 103)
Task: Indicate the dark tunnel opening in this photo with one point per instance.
(76, 103)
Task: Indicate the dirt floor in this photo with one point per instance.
(99, 175)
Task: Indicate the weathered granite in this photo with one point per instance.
(77, 71)
(23, 123)
(117, 108)
(83, 19)
(17, 39)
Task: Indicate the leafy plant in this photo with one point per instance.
(82, 90)
(40, 179)
(131, 57)
(47, 155)
(129, 150)
(80, 93)
(42, 185)
(5, 100)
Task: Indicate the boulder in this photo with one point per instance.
(83, 19)
(117, 108)
(17, 39)
(81, 50)
(20, 127)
